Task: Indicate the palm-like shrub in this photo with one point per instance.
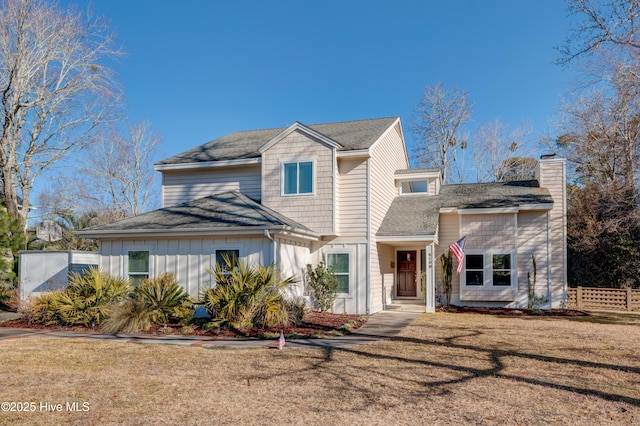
(165, 299)
(88, 298)
(129, 316)
(155, 301)
(44, 308)
(246, 295)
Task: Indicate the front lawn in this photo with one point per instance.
(446, 368)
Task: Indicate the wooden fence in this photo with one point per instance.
(618, 299)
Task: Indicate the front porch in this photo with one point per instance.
(411, 284)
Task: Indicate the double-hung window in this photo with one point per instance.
(501, 267)
(339, 263)
(297, 178)
(488, 269)
(474, 273)
(138, 266)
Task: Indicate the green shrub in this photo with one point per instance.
(87, 300)
(130, 316)
(8, 294)
(323, 286)
(165, 299)
(246, 295)
(296, 308)
(44, 308)
(155, 301)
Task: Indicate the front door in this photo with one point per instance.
(406, 273)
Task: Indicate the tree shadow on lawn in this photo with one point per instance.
(495, 356)
(350, 381)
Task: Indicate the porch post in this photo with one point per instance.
(431, 278)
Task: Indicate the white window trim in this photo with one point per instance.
(313, 176)
(488, 270)
(402, 181)
(230, 246)
(351, 254)
(145, 247)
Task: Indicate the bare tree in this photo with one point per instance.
(437, 123)
(123, 165)
(602, 23)
(492, 145)
(54, 90)
(114, 176)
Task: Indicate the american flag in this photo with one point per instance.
(457, 249)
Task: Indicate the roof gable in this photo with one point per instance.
(298, 127)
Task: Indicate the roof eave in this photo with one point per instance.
(192, 232)
(207, 164)
(405, 238)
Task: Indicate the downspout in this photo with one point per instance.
(369, 242)
(269, 237)
(549, 258)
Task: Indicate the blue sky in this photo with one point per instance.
(197, 70)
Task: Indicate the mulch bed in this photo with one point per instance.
(315, 324)
(513, 312)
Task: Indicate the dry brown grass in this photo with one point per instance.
(445, 368)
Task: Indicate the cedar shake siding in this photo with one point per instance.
(316, 210)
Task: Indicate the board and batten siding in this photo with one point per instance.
(352, 198)
(313, 211)
(187, 259)
(292, 257)
(186, 185)
(387, 155)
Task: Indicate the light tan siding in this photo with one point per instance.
(187, 259)
(314, 211)
(551, 175)
(532, 241)
(448, 233)
(387, 155)
(352, 198)
(489, 231)
(182, 186)
(385, 260)
(495, 232)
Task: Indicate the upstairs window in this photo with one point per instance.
(419, 186)
(297, 178)
(138, 267)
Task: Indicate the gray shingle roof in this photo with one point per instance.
(229, 209)
(415, 215)
(351, 135)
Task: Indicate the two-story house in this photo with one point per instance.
(345, 192)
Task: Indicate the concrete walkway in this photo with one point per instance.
(379, 326)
